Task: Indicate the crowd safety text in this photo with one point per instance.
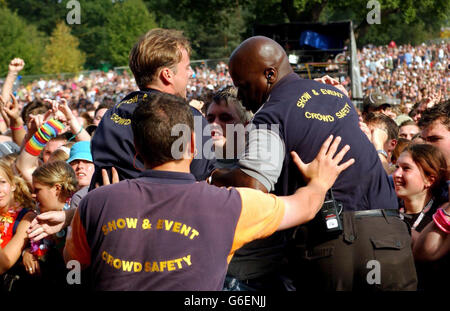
(147, 266)
(306, 96)
(145, 224)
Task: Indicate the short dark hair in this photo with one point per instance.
(390, 125)
(103, 105)
(440, 112)
(152, 123)
(34, 107)
(230, 96)
(66, 136)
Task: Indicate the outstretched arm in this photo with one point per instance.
(262, 214)
(27, 160)
(49, 223)
(321, 174)
(433, 243)
(15, 66)
(236, 178)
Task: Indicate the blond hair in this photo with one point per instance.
(10, 158)
(156, 49)
(62, 153)
(22, 194)
(58, 155)
(58, 172)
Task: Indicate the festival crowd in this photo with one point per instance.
(70, 155)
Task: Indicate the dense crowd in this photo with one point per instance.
(412, 75)
(48, 167)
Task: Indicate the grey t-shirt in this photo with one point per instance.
(76, 198)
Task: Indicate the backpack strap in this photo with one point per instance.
(19, 218)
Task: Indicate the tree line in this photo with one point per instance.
(37, 31)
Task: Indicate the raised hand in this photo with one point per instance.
(105, 177)
(64, 108)
(325, 168)
(11, 109)
(16, 65)
(54, 112)
(329, 80)
(34, 122)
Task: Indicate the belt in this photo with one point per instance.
(377, 213)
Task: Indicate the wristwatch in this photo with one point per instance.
(381, 151)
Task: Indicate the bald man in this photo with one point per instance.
(332, 252)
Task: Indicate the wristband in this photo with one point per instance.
(440, 221)
(381, 151)
(75, 135)
(46, 132)
(16, 128)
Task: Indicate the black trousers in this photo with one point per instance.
(371, 254)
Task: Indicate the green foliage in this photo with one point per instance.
(62, 53)
(109, 28)
(19, 39)
(214, 27)
(126, 22)
(42, 13)
(394, 29)
(405, 21)
(92, 31)
(217, 40)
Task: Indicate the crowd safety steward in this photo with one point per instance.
(161, 231)
(112, 144)
(306, 112)
(311, 111)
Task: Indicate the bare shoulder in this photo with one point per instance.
(29, 216)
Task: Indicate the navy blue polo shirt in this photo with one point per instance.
(307, 112)
(112, 144)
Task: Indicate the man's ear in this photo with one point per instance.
(271, 75)
(136, 148)
(392, 144)
(193, 149)
(134, 144)
(166, 75)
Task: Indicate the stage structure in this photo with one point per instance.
(318, 49)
